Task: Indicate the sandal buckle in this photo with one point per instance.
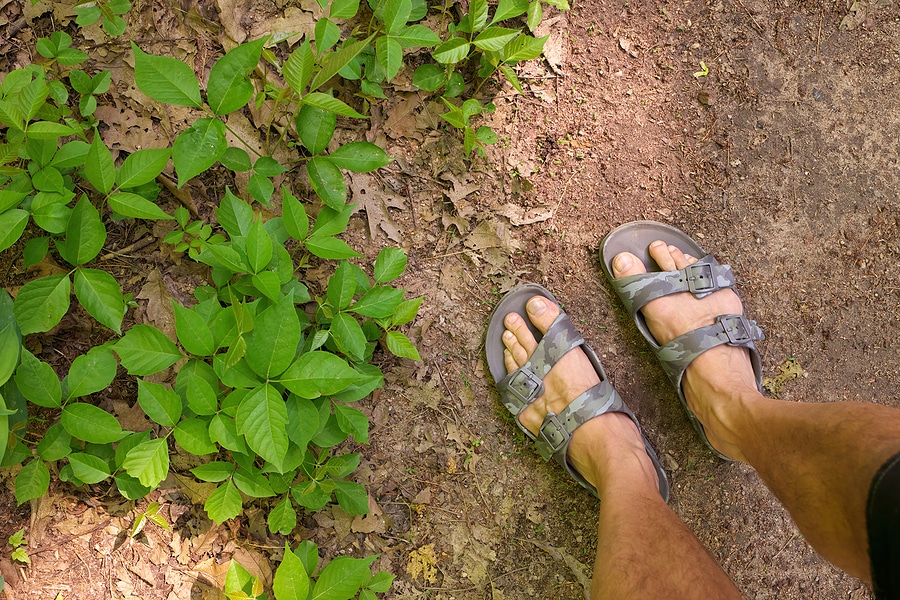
(700, 278)
(553, 432)
(525, 386)
(736, 329)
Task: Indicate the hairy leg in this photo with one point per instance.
(643, 550)
(818, 459)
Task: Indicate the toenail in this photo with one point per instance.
(511, 319)
(622, 262)
(536, 306)
(657, 244)
(508, 335)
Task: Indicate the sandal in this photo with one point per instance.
(700, 279)
(524, 385)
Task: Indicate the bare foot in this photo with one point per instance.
(608, 438)
(717, 377)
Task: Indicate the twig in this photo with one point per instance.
(182, 195)
(445, 255)
(141, 243)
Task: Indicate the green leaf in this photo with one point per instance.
(524, 47)
(254, 485)
(45, 130)
(259, 246)
(389, 54)
(201, 397)
(91, 372)
(331, 104)
(88, 468)
(348, 336)
(327, 34)
(213, 472)
(507, 9)
(335, 61)
(478, 12)
(12, 224)
(294, 216)
(236, 159)
(272, 344)
(329, 247)
(360, 157)
(319, 373)
(142, 167)
(10, 350)
(193, 332)
(193, 436)
(55, 444)
(315, 127)
(145, 350)
(535, 14)
(37, 381)
(165, 79)
(238, 581)
(149, 462)
(390, 264)
(268, 284)
(399, 345)
(223, 431)
(283, 519)
(234, 215)
(352, 497)
(198, 148)
(512, 77)
(303, 420)
(291, 579)
(229, 87)
(268, 166)
(452, 51)
(341, 286)
(93, 425)
(159, 402)
(98, 166)
(41, 303)
(380, 302)
(33, 481)
(418, 36)
(132, 205)
(495, 38)
(85, 234)
(381, 582)
(342, 578)
(396, 15)
(343, 9)
(262, 418)
(224, 503)
(352, 421)
(327, 181)
(298, 68)
(100, 295)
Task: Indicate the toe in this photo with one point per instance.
(518, 334)
(542, 312)
(681, 260)
(660, 253)
(626, 263)
(514, 355)
(691, 259)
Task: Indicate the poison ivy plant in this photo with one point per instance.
(296, 578)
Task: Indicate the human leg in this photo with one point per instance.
(644, 550)
(818, 459)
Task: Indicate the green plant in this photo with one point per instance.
(295, 579)
(271, 373)
(19, 553)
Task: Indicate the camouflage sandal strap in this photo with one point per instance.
(526, 384)
(677, 355)
(700, 279)
(556, 431)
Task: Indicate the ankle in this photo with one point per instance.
(609, 451)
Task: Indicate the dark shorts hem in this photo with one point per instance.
(883, 525)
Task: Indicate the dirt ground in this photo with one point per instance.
(781, 159)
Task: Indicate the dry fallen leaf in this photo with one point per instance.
(422, 561)
(790, 370)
